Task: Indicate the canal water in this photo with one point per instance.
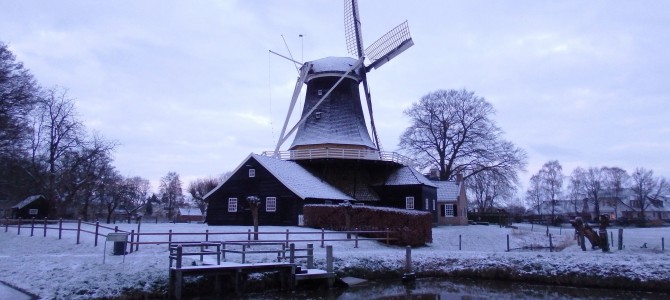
(470, 289)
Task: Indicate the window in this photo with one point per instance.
(449, 210)
(317, 115)
(232, 204)
(252, 172)
(32, 211)
(319, 92)
(427, 204)
(409, 202)
(271, 204)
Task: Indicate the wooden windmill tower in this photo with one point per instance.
(332, 124)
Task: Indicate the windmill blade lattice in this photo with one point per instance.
(352, 28)
(389, 45)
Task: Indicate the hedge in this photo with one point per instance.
(413, 228)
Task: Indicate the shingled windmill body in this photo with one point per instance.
(331, 138)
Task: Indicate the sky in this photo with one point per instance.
(191, 87)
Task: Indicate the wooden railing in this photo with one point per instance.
(342, 154)
(98, 230)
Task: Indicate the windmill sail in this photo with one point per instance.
(352, 28)
(389, 46)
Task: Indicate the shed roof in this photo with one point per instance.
(27, 201)
(190, 211)
(447, 190)
(406, 175)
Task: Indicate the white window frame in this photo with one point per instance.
(33, 211)
(232, 204)
(449, 211)
(271, 204)
(252, 172)
(409, 202)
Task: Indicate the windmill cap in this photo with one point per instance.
(333, 66)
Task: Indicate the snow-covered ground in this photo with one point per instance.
(60, 269)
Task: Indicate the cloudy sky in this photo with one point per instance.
(190, 87)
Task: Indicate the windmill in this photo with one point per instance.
(332, 116)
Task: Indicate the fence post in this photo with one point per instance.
(32, 226)
(508, 243)
(291, 252)
(179, 252)
(356, 238)
(78, 230)
(139, 222)
(329, 259)
(60, 228)
(408, 259)
(6, 224)
(310, 256)
(45, 226)
(287, 236)
(248, 234)
(663, 244)
(116, 228)
(170, 238)
(323, 234)
(459, 242)
(18, 229)
(132, 240)
(97, 228)
(551, 244)
(620, 239)
(244, 253)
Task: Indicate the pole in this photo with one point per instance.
(310, 256)
(97, 227)
(60, 228)
(459, 242)
(620, 239)
(78, 230)
(32, 226)
(508, 243)
(45, 226)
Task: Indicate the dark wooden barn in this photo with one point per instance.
(285, 186)
(35, 206)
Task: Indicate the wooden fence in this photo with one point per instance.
(137, 238)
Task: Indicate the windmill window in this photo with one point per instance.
(232, 204)
(317, 115)
(271, 204)
(409, 202)
(252, 172)
(319, 92)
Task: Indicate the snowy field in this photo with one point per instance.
(53, 268)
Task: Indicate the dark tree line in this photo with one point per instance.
(46, 149)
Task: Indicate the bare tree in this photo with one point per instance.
(576, 190)
(535, 193)
(647, 189)
(593, 181)
(487, 188)
(551, 181)
(170, 189)
(453, 131)
(199, 188)
(616, 180)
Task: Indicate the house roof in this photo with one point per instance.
(27, 201)
(190, 211)
(406, 175)
(447, 190)
(295, 178)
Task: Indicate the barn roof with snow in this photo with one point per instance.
(28, 201)
(294, 177)
(407, 175)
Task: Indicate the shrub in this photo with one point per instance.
(413, 228)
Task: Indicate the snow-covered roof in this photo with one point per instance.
(406, 175)
(334, 64)
(27, 201)
(295, 178)
(190, 211)
(299, 180)
(447, 190)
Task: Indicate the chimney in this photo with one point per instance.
(459, 178)
(434, 174)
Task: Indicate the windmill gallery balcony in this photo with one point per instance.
(339, 153)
